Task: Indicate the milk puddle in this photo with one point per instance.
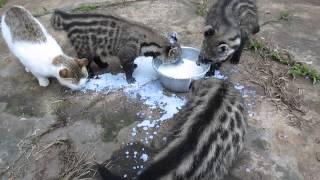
(150, 91)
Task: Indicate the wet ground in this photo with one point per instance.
(53, 133)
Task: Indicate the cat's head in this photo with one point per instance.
(72, 72)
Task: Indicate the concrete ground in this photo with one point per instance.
(53, 133)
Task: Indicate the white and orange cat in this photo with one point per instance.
(39, 52)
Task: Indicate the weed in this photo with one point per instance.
(276, 56)
(284, 15)
(255, 45)
(304, 70)
(2, 2)
(85, 8)
(202, 8)
(295, 68)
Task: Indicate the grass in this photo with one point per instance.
(202, 8)
(304, 70)
(2, 2)
(85, 8)
(296, 69)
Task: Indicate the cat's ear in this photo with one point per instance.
(65, 73)
(82, 62)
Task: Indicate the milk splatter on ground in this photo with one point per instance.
(150, 91)
(146, 87)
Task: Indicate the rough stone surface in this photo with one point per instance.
(98, 125)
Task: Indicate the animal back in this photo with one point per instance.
(23, 26)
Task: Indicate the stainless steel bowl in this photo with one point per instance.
(181, 85)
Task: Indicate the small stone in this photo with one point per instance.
(318, 156)
(3, 106)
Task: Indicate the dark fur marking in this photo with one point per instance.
(240, 107)
(238, 119)
(223, 118)
(104, 54)
(229, 108)
(98, 61)
(66, 15)
(232, 100)
(211, 162)
(113, 24)
(234, 38)
(224, 15)
(199, 158)
(152, 54)
(235, 138)
(224, 135)
(111, 32)
(232, 124)
(106, 174)
(150, 44)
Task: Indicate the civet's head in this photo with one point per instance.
(168, 50)
(219, 44)
(72, 72)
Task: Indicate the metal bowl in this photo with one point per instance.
(176, 84)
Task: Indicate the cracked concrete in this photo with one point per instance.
(276, 148)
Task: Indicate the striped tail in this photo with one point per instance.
(106, 174)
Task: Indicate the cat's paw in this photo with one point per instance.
(131, 80)
(44, 82)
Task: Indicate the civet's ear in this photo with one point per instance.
(173, 37)
(82, 62)
(65, 73)
(209, 31)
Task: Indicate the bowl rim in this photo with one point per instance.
(191, 78)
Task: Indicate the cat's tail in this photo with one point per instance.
(58, 19)
(106, 174)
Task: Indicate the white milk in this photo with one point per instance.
(183, 70)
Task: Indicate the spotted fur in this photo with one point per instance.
(228, 25)
(211, 131)
(97, 37)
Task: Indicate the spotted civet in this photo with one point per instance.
(39, 52)
(212, 128)
(97, 37)
(228, 25)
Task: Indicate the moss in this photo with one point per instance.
(85, 8)
(284, 15)
(304, 70)
(2, 2)
(113, 122)
(24, 105)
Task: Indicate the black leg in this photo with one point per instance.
(98, 61)
(213, 68)
(128, 69)
(235, 59)
(90, 71)
(211, 71)
(256, 29)
(127, 55)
